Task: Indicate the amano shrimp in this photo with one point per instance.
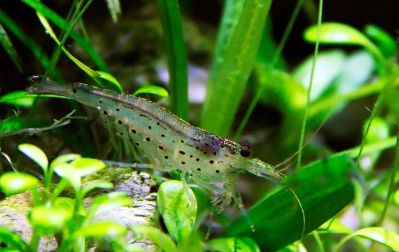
(165, 141)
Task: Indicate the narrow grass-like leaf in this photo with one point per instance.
(151, 89)
(37, 51)
(309, 198)
(176, 53)
(378, 234)
(15, 182)
(177, 204)
(92, 73)
(12, 240)
(114, 7)
(36, 154)
(237, 44)
(62, 24)
(9, 48)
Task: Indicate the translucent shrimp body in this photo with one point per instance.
(165, 141)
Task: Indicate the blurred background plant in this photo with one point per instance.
(315, 79)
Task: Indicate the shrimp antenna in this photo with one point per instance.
(292, 156)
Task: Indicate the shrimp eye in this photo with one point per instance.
(245, 152)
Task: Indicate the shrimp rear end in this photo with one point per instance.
(45, 85)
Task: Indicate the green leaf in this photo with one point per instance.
(106, 229)
(151, 89)
(177, 204)
(109, 201)
(337, 33)
(379, 130)
(14, 183)
(328, 66)
(9, 48)
(95, 184)
(172, 27)
(242, 244)
(235, 53)
(385, 42)
(12, 240)
(90, 72)
(64, 25)
(307, 199)
(66, 158)
(111, 79)
(49, 219)
(87, 166)
(23, 99)
(18, 98)
(377, 234)
(162, 240)
(36, 154)
(27, 40)
(69, 173)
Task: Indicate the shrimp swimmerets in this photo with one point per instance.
(165, 141)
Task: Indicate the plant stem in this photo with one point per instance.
(316, 51)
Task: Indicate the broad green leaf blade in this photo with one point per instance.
(379, 130)
(377, 234)
(18, 98)
(155, 235)
(23, 99)
(87, 166)
(245, 244)
(171, 22)
(114, 7)
(329, 64)
(235, 53)
(12, 240)
(385, 42)
(109, 201)
(95, 184)
(177, 204)
(104, 229)
(36, 154)
(49, 219)
(9, 48)
(111, 79)
(337, 33)
(69, 173)
(151, 89)
(323, 188)
(14, 182)
(66, 158)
